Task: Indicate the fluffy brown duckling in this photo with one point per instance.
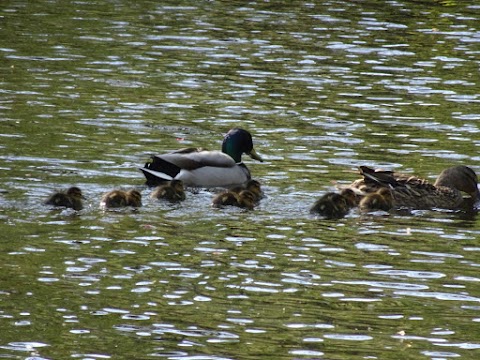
(334, 205)
(172, 191)
(121, 198)
(251, 185)
(382, 199)
(72, 198)
(225, 198)
(244, 199)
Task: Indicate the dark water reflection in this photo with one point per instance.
(91, 89)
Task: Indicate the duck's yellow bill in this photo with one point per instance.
(253, 154)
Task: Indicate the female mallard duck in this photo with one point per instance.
(244, 199)
(335, 205)
(171, 191)
(121, 198)
(72, 198)
(381, 199)
(416, 193)
(203, 168)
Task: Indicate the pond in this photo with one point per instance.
(90, 89)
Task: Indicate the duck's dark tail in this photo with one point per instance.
(157, 171)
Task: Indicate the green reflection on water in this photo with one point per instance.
(91, 89)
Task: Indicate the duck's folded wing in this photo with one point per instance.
(380, 177)
(196, 159)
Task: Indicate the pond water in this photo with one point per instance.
(89, 89)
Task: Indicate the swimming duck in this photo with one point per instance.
(72, 198)
(198, 167)
(417, 193)
(172, 191)
(121, 198)
(244, 199)
(381, 199)
(334, 205)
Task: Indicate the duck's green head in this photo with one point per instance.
(239, 141)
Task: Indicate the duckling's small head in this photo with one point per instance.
(255, 187)
(134, 198)
(246, 199)
(349, 196)
(177, 185)
(75, 192)
(385, 193)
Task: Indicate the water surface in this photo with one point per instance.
(91, 89)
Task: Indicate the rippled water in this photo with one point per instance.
(90, 89)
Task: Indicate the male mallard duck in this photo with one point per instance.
(244, 199)
(335, 205)
(72, 198)
(203, 168)
(416, 193)
(381, 199)
(172, 191)
(121, 198)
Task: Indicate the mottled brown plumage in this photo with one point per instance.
(72, 198)
(225, 198)
(334, 205)
(417, 193)
(121, 198)
(172, 191)
(382, 199)
(251, 185)
(244, 199)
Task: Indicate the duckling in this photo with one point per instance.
(382, 199)
(72, 198)
(251, 185)
(254, 187)
(172, 191)
(225, 198)
(121, 198)
(244, 199)
(334, 205)
(351, 198)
